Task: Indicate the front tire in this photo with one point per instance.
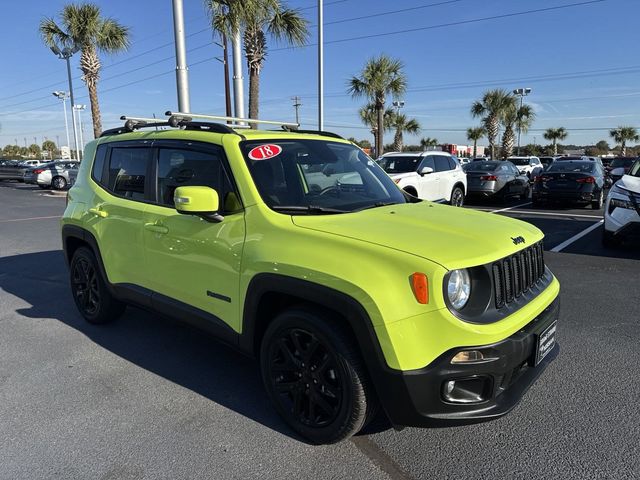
(314, 376)
(457, 197)
(90, 294)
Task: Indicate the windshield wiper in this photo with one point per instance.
(310, 209)
(377, 204)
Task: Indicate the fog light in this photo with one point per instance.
(467, 390)
(468, 356)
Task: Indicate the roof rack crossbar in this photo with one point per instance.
(229, 119)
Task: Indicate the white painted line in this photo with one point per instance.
(32, 218)
(552, 214)
(578, 236)
(510, 208)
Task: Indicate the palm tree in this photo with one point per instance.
(369, 117)
(622, 135)
(428, 142)
(258, 18)
(49, 146)
(555, 134)
(380, 77)
(523, 117)
(491, 109)
(475, 134)
(403, 125)
(83, 27)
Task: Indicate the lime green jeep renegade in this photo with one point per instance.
(295, 247)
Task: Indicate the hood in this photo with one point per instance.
(450, 236)
(629, 183)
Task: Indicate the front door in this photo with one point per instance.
(190, 259)
(428, 183)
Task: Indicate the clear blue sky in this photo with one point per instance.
(580, 62)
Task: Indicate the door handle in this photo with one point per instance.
(99, 213)
(154, 227)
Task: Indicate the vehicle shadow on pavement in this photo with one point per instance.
(171, 350)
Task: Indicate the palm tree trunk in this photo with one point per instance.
(555, 147)
(90, 66)
(398, 141)
(492, 133)
(254, 94)
(95, 108)
(623, 148)
(475, 148)
(380, 130)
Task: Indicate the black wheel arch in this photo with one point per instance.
(461, 185)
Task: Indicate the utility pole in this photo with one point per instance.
(182, 73)
(238, 80)
(297, 105)
(66, 54)
(227, 86)
(320, 66)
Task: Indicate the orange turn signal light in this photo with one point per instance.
(420, 285)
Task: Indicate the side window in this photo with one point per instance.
(98, 164)
(128, 172)
(181, 167)
(452, 163)
(442, 163)
(428, 162)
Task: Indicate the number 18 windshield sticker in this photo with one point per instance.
(265, 152)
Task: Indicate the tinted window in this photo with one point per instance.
(428, 162)
(128, 172)
(452, 163)
(400, 164)
(479, 166)
(583, 167)
(442, 163)
(519, 161)
(179, 168)
(622, 162)
(98, 164)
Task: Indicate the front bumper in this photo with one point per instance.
(416, 397)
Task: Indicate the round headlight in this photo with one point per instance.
(459, 288)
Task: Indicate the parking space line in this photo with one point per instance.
(31, 218)
(510, 208)
(578, 236)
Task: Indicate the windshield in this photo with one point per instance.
(480, 167)
(635, 170)
(309, 176)
(622, 162)
(397, 164)
(582, 167)
(519, 161)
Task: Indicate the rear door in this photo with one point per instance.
(444, 175)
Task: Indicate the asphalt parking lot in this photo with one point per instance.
(148, 398)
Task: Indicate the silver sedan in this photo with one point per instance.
(499, 179)
(51, 175)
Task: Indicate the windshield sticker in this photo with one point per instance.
(265, 152)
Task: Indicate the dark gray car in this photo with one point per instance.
(12, 170)
(498, 179)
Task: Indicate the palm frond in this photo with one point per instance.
(289, 25)
(112, 37)
(52, 34)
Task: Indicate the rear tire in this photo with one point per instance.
(90, 293)
(58, 183)
(315, 377)
(597, 205)
(526, 193)
(457, 197)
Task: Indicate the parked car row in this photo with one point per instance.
(55, 174)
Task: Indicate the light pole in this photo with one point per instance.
(63, 96)
(320, 66)
(182, 73)
(398, 104)
(225, 62)
(521, 92)
(79, 109)
(65, 54)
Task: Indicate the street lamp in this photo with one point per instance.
(79, 109)
(63, 96)
(521, 92)
(398, 104)
(65, 54)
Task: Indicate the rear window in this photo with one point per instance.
(480, 167)
(622, 162)
(562, 159)
(519, 161)
(579, 167)
(400, 164)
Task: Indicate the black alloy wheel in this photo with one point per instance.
(314, 375)
(597, 204)
(84, 283)
(457, 197)
(59, 183)
(90, 293)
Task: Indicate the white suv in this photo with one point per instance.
(622, 208)
(531, 166)
(435, 176)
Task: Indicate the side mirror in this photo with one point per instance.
(425, 170)
(200, 201)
